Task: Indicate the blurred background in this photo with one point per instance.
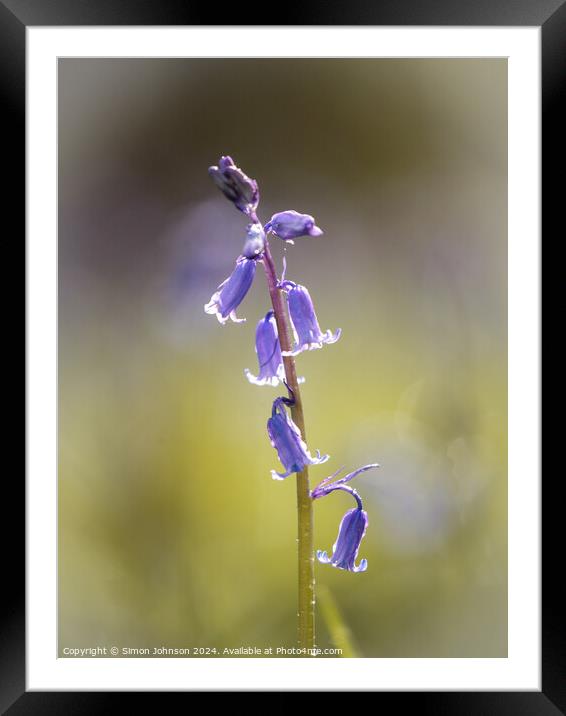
(171, 530)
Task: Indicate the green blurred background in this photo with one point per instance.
(171, 531)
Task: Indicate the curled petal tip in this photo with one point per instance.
(320, 459)
(234, 317)
(280, 475)
(256, 380)
(332, 337)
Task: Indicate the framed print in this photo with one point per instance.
(364, 190)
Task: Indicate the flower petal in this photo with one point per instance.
(286, 438)
(305, 323)
(350, 534)
(232, 292)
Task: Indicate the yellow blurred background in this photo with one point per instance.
(171, 530)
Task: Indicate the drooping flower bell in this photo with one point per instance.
(286, 438)
(289, 225)
(345, 550)
(304, 320)
(232, 291)
(242, 191)
(271, 369)
(352, 527)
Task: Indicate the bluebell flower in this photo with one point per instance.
(345, 550)
(242, 191)
(232, 291)
(271, 369)
(286, 438)
(255, 241)
(352, 527)
(305, 323)
(289, 225)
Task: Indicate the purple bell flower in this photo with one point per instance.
(255, 241)
(304, 320)
(232, 291)
(289, 225)
(286, 438)
(345, 550)
(271, 370)
(352, 527)
(242, 191)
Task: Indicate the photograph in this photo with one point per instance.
(282, 354)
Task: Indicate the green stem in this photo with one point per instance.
(304, 501)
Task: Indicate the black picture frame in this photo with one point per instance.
(550, 15)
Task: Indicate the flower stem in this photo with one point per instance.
(304, 501)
